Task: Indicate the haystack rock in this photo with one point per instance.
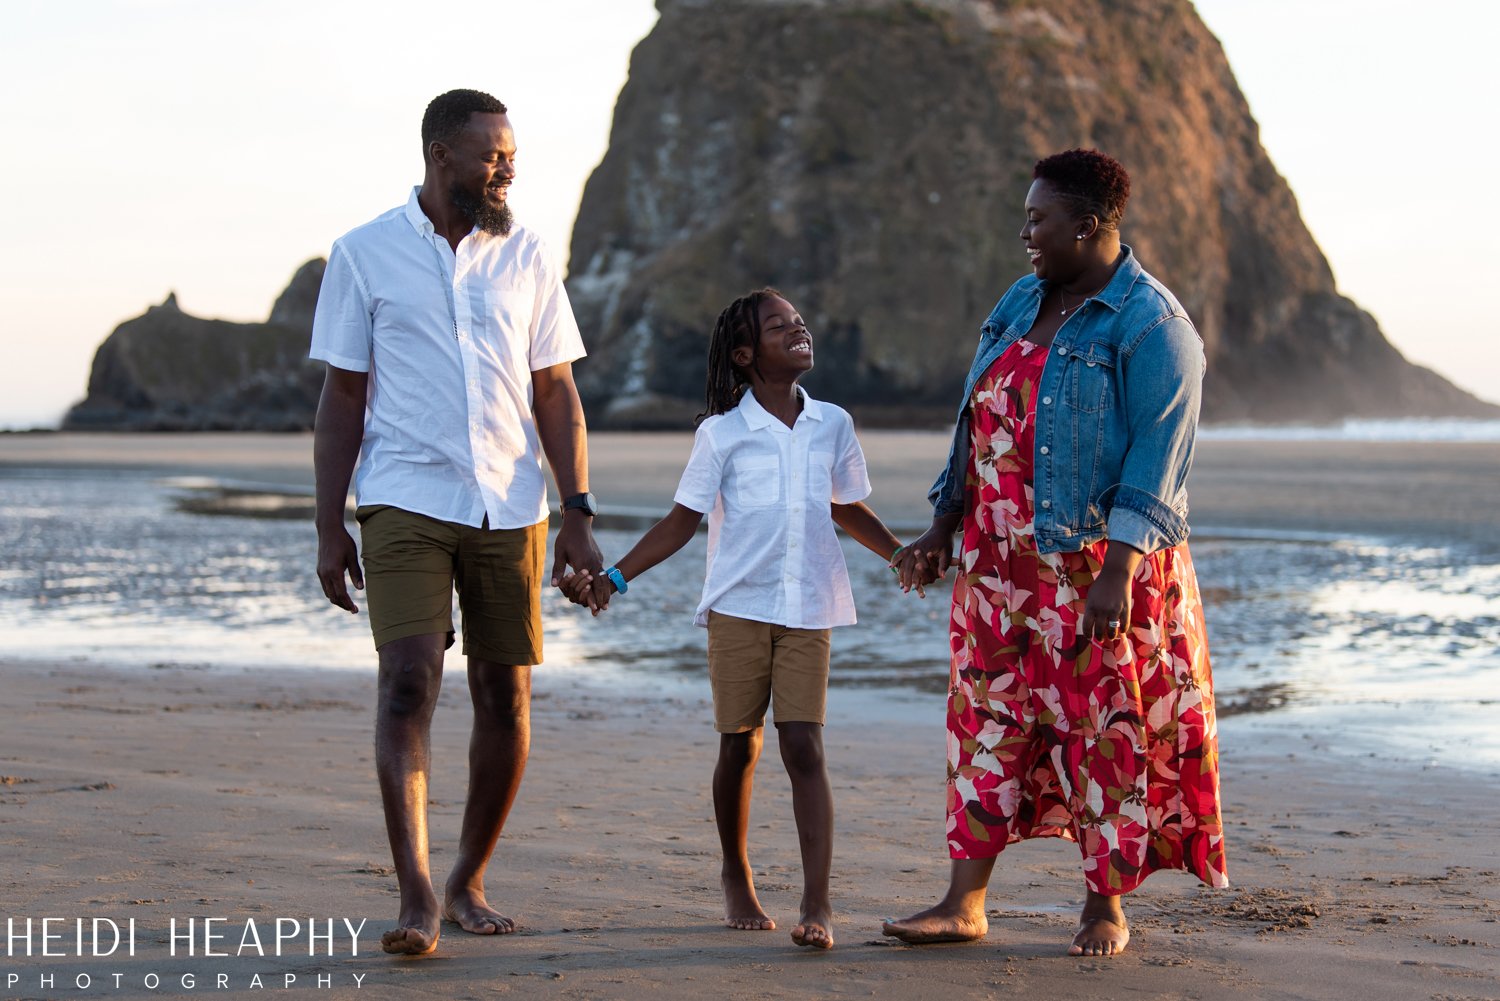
(870, 158)
(171, 371)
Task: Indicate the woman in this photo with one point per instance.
(1081, 704)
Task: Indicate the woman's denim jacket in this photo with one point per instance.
(1116, 414)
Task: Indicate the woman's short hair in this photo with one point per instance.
(1089, 183)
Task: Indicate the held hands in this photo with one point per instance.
(575, 548)
(590, 589)
(927, 559)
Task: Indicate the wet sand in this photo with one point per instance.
(162, 794)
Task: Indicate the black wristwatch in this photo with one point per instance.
(581, 502)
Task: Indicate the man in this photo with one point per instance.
(449, 341)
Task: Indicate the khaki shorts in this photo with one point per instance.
(413, 562)
(753, 665)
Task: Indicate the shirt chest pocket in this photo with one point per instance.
(757, 480)
(509, 311)
(1090, 378)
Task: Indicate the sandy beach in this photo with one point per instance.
(169, 794)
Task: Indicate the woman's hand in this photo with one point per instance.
(1106, 612)
(929, 557)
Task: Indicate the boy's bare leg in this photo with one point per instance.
(498, 748)
(959, 916)
(812, 805)
(1102, 930)
(734, 776)
(411, 672)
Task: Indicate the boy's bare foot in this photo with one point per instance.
(470, 911)
(815, 929)
(742, 910)
(1102, 930)
(416, 935)
(938, 924)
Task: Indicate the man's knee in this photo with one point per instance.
(801, 747)
(501, 693)
(741, 750)
(411, 672)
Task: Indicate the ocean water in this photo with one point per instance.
(1366, 645)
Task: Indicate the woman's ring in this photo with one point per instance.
(1114, 623)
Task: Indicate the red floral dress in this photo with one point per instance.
(1111, 744)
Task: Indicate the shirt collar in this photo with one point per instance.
(416, 216)
(757, 417)
(1111, 295)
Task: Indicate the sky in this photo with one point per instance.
(210, 148)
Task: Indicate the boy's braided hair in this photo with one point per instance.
(738, 326)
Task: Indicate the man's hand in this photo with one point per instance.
(576, 548)
(336, 555)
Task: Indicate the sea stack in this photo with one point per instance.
(870, 158)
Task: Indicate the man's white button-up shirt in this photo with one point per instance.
(450, 340)
(773, 554)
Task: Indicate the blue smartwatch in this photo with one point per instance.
(617, 579)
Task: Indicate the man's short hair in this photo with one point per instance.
(448, 114)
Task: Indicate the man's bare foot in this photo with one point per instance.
(1102, 930)
(742, 910)
(416, 935)
(815, 929)
(470, 911)
(938, 924)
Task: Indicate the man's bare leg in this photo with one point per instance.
(812, 805)
(734, 777)
(959, 916)
(1102, 930)
(411, 672)
(498, 749)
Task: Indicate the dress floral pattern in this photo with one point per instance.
(1113, 745)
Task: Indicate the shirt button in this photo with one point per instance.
(1091, 364)
(1062, 351)
(1047, 401)
(1046, 503)
(1045, 450)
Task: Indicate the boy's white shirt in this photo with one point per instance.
(773, 553)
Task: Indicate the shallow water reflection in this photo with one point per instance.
(1377, 643)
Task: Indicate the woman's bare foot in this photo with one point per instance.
(815, 929)
(1102, 930)
(943, 923)
(416, 933)
(470, 911)
(742, 910)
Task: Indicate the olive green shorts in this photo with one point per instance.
(754, 665)
(413, 562)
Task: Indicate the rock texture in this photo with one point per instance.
(870, 158)
(170, 371)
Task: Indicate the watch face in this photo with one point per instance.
(581, 502)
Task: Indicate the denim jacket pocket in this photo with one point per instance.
(1091, 376)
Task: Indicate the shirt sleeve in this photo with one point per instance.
(344, 323)
(699, 487)
(554, 331)
(851, 480)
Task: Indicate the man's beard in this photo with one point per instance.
(490, 219)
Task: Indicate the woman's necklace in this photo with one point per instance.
(1062, 297)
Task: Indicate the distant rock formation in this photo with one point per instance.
(870, 157)
(170, 371)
